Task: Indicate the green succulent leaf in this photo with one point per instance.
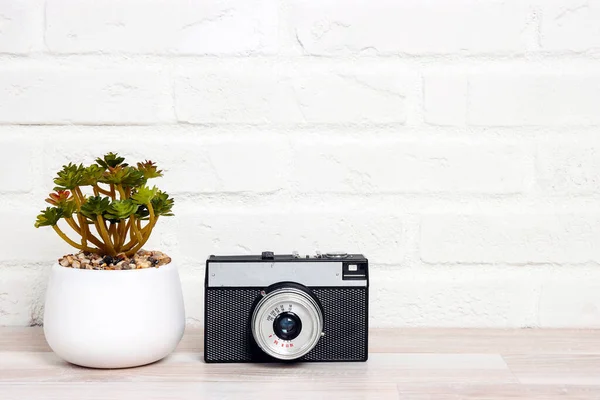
(94, 206)
(49, 217)
(134, 178)
(121, 209)
(92, 175)
(163, 204)
(110, 160)
(63, 200)
(144, 195)
(68, 208)
(69, 177)
(149, 169)
(142, 212)
(126, 176)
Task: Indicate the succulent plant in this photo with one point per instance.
(120, 213)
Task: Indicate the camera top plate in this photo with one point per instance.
(269, 256)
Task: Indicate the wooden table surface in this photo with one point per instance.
(403, 364)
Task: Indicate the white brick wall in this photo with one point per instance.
(162, 27)
(515, 96)
(454, 143)
(262, 92)
(388, 27)
(21, 26)
(570, 26)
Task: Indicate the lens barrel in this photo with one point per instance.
(287, 326)
(287, 322)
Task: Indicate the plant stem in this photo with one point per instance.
(90, 236)
(119, 228)
(136, 230)
(112, 230)
(105, 236)
(72, 243)
(147, 231)
(80, 198)
(94, 239)
(123, 231)
(135, 234)
(137, 247)
(98, 189)
(121, 192)
(112, 191)
(151, 211)
(73, 225)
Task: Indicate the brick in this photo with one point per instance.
(16, 165)
(569, 168)
(438, 88)
(516, 98)
(453, 297)
(570, 27)
(251, 231)
(392, 166)
(223, 164)
(510, 238)
(570, 298)
(21, 295)
(534, 99)
(22, 242)
(240, 93)
(21, 26)
(389, 27)
(48, 94)
(163, 26)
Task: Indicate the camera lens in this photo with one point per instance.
(287, 326)
(287, 322)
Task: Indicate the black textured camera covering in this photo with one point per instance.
(228, 335)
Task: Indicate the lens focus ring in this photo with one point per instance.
(287, 323)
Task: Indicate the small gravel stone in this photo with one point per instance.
(142, 259)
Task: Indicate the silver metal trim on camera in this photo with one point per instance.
(337, 254)
(287, 299)
(263, 274)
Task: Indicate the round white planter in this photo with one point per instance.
(114, 319)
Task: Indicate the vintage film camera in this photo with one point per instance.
(266, 308)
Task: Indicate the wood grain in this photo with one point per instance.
(498, 392)
(403, 364)
(197, 390)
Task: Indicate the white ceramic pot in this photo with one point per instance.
(114, 319)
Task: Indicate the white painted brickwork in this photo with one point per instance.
(455, 143)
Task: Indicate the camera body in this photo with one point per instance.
(273, 308)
